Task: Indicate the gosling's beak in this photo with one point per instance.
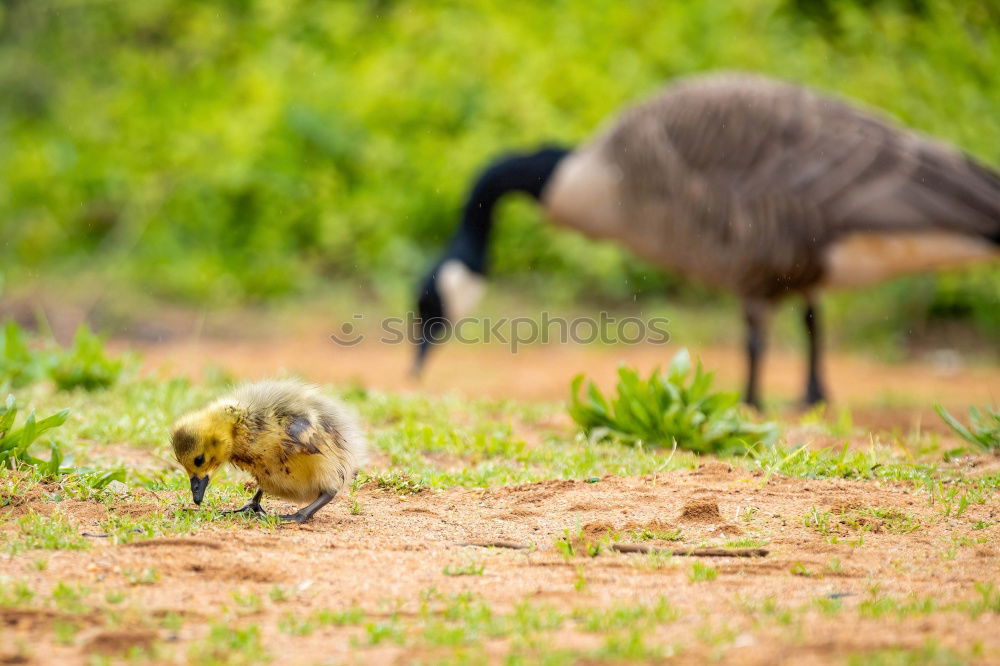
(198, 488)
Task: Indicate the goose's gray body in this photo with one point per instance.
(763, 187)
(759, 186)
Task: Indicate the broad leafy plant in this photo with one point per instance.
(19, 364)
(25, 359)
(85, 364)
(679, 407)
(15, 443)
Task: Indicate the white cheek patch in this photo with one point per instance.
(460, 288)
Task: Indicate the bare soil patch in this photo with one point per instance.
(545, 372)
(398, 549)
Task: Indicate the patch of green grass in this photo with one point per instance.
(799, 569)
(352, 616)
(601, 620)
(148, 576)
(36, 531)
(929, 655)
(70, 598)
(701, 573)
(577, 542)
(65, 631)
(15, 594)
(385, 631)
(172, 621)
(228, 645)
(843, 463)
(988, 601)
(769, 608)
(628, 646)
(397, 482)
(114, 596)
(829, 607)
(676, 409)
(292, 624)
(354, 503)
(877, 606)
(867, 519)
(470, 568)
(821, 521)
(877, 519)
(647, 534)
(746, 542)
(655, 560)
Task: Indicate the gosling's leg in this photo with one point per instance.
(251, 507)
(306, 512)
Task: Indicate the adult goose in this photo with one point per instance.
(755, 185)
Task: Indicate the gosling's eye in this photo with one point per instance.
(199, 461)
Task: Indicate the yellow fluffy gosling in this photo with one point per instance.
(297, 443)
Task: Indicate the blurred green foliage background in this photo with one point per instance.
(250, 150)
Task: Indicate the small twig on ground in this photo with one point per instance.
(641, 548)
(497, 544)
(134, 530)
(690, 552)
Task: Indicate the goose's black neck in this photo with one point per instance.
(528, 173)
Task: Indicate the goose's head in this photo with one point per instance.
(450, 292)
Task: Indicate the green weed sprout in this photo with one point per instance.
(85, 364)
(661, 410)
(14, 444)
(983, 429)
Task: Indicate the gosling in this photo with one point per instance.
(298, 444)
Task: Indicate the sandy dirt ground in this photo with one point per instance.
(543, 372)
(387, 558)
(891, 398)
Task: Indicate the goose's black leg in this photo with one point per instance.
(814, 384)
(253, 506)
(756, 315)
(306, 512)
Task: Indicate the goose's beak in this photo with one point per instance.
(198, 488)
(416, 371)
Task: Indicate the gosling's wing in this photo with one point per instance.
(303, 436)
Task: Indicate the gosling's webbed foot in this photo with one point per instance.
(249, 510)
(252, 507)
(307, 512)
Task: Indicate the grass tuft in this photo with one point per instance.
(983, 430)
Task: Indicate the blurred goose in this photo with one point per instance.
(755, 185)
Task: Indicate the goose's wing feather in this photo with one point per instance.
(799, 162)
